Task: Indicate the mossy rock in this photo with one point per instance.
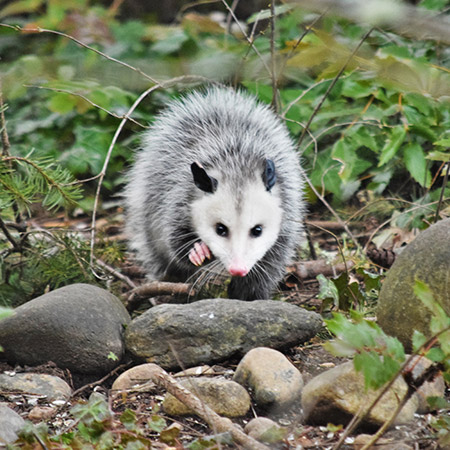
(427, 258)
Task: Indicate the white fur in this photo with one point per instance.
(239, 248)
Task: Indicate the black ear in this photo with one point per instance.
(202, 180)
(269, 176)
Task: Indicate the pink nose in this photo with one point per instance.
(238, 271)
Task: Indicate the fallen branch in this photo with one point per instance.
(217, 423)
(154, 289)
(306, 270)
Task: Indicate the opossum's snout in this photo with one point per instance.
(238, 268)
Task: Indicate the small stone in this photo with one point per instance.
(274, 380)
(336, 395)
(40, 413)
(265, 430)
(382, 444)
(225, 397)
(195, 371)
(135, 379)
(53, 388)
(10, 424)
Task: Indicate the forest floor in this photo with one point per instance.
(311, 359)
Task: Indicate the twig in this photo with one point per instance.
(331, 86)
(5, 139)
(81, 44)
(441, 197)
(328, 206)
(8, 235)
(76, 94)
(116, 273)
(274, 102)
(249, 40)
(229, 17)
(161, 288)
(216, 422)
(100, 381)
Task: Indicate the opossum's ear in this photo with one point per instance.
(202, 180)
(269, 176)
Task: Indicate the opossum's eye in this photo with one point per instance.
(221, 229)
(256, 231)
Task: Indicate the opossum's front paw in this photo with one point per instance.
(199, 253)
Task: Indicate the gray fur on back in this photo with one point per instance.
(225, 131)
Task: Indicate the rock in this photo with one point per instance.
(433, 388)
(427, 258)
(382, 444)
(195, 371)
(10, 424)
(275, 382)
(77, 327)
(36, 384)
(42, 413)
(225, 397)
(336, 395)
(214, 330)
(135, 379)
(265, 430)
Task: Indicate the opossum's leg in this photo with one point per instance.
(199, 253)
(250, 288)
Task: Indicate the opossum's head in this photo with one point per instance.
(239, 224)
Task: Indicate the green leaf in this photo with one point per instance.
(62, 103)
(157, 423)
(418, 340)
(173, 43)
(267, 13)
(436, 354)
(397, 136)
(438, 156)
(357, 89)
(95, 410)
(5, 312)
(416, 164)
(128, 418)
(327, 290)
(443, 142)
(434, 5)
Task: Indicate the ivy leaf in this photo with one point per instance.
(416, 164)
(392, 144)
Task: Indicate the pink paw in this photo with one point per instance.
(199, 253)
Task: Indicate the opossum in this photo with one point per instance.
(217, 183)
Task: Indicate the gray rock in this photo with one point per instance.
(37, 384)
(225, 397)
(432, 388)
(336, 395)
(213, 330)
(76, 327)
(265, 430)
(427, 258)
(274, 381)
(10, 424)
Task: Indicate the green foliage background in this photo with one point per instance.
(381, 132)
